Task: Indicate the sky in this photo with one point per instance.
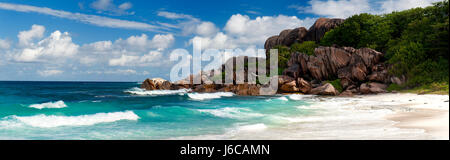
(126, 40)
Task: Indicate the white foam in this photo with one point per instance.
(253, 127)
(203, 96)
(143, 92)
(58, 104)
(45, 121)
(283, 99)
(229, 112)
(298, 97)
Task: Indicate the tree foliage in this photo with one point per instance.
(414, 41)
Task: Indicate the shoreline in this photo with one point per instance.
(433, 121)
(429, 112)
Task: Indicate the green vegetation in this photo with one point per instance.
(336, 84)
(306, 47)
(432, 88)
(284, 53)
(415, 43)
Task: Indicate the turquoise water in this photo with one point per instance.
(91, 110)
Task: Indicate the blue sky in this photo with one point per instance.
(125, 40)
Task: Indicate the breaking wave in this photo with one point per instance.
(45, 121)
(143, 92)
(228, 112)
(203, 96)
(58, 104)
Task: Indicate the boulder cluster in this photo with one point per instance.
(358, 71)
(301, 34)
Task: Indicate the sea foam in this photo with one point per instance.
(58, 104)
(229, 112)
(204, 96)
(143, 92)
(45, 121)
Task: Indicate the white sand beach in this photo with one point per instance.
(397, 116)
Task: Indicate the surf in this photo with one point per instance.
(57, 104)
(49, 121)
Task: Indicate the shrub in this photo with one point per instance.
(306, 47)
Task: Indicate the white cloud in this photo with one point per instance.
(133, 45)
(4, 44)
(152, 58)
(172, 15)
(122, 72)
(124, 60)
(206, 29)
(241, 31)
(189, 24)
(57, 46)
(36, 32)
(85, 18)
(109, 7)
(388, 6)
(255, 31)
(347, 8)
(339, 8)
(52, 72)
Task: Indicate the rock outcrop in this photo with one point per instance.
(301, 34)
(320, 27)
(326, 89)
(344, 63)
(156, 84)
(359, 71)
(351, 66)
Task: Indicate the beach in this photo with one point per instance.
(399, 116)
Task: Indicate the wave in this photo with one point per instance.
(234, 113)
(297, 97)
(203, 96)
(143, 92)
(58, 104)
(45, 121)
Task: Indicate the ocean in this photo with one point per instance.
(103, 110)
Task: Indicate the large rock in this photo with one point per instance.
(156, 84)
(289, 87)
(353, 65)
(326, 89)
(242, 89)
(282, 79)
(286, 38)
(299, 35)
(303, 86)
(372, 88)
(320, 27)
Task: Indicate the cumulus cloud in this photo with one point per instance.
(36, 32)
(109, 7)
(242, 31)
(152, 58)
(346, 8)
(85, 18)
(58, 45)
(132, 46)
(206, 29)
(4, 44)
(51, 72)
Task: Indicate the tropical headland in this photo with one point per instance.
(363, 54)
(399, 60)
